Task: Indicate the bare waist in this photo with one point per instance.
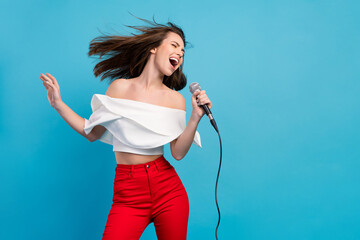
(132, 158)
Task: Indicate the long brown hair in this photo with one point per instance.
(126, 56)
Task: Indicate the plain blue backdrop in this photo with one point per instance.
(283, 77)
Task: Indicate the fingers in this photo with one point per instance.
(48, 77)
(202, 98)
(197, 94)
(45, 85)
(53, 79)
(46, 81)
(44, 78)
(49, 84)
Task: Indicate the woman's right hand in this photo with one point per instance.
(53, 89)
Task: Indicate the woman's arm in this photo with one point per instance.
(180, 146)
(74, 120)
(78, 123)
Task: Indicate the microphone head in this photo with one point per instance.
(194, 87)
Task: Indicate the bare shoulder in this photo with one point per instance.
(117, 88)
(178, 100)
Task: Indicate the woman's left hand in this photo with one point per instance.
(201, 99)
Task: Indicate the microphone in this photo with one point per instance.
(196, 87)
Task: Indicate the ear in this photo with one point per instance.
(153, 50)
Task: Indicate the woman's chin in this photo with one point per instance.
(169, 73)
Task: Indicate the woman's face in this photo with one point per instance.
(169, 55)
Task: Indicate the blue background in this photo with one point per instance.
(283, 77)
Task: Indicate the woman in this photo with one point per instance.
(140, 112)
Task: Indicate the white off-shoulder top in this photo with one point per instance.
(136, 127)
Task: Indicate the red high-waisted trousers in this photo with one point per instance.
(145, 193)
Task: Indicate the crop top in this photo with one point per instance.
(136, 127)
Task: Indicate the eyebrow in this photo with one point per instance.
(179, 46)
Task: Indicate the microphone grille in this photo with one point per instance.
(194, 87)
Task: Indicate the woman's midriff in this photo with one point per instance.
(132, 158)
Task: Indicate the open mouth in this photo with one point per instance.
(174, 62)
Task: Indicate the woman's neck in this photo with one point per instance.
(150, 78)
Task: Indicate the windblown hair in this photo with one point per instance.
(126, 56)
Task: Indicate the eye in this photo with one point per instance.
(173, 45)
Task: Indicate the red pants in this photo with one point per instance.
(145, 193)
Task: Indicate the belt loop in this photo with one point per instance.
(156, 166)
(131, 170)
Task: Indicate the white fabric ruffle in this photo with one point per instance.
(136, 127)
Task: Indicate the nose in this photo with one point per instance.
(179, 53)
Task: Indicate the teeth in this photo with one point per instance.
(174, 59)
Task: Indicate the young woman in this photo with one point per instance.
(140, 112)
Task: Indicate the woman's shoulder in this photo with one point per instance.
(177, 100)
(118, 87)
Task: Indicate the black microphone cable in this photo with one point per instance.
(216, 184)
(196, 87)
